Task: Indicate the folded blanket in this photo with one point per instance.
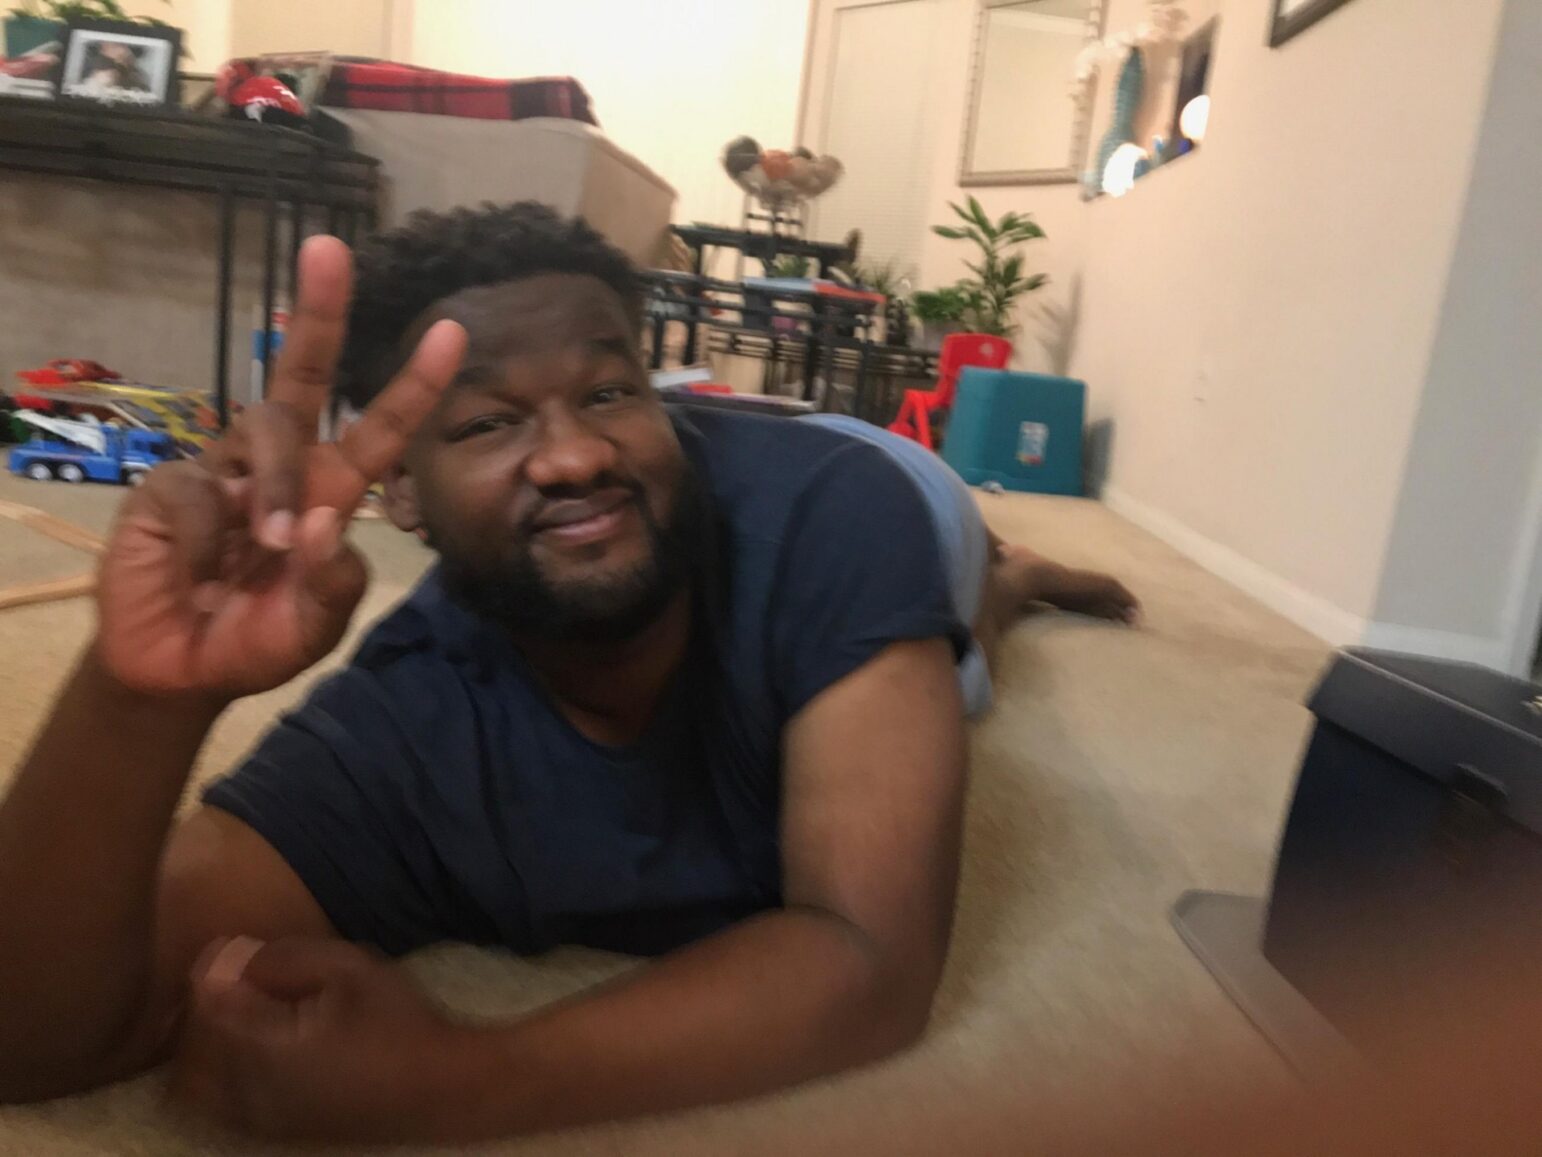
(403, 88)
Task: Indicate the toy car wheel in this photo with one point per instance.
(39, 472)
(70, 472)
(136, 477)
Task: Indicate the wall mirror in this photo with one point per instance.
(1024, 126)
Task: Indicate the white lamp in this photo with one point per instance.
(1119, 173)
(1195, 118)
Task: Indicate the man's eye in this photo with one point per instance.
(608, 395)
(484, 426)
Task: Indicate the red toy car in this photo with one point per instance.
(67, 372)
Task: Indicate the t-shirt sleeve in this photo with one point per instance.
(330, 789)
(861, 567)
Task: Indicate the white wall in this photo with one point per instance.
(673, 81)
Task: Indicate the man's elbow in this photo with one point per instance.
(895, 1014)
(904, 1024)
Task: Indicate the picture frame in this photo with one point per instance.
(1293, 17)
(121, 65)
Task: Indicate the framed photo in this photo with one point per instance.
(132, 65)
(1292, 17)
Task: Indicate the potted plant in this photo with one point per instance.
(34, 23)
(989, 296)
(940, 312)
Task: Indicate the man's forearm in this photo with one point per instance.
(81, 835)
(779, 999)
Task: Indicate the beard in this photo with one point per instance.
(611, 608)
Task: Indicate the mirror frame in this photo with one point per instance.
(1283, 28)
(1081, 131)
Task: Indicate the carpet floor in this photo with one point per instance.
(1119, 768)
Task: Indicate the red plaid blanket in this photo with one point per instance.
(403, 88)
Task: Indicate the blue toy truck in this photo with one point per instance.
(82, 451)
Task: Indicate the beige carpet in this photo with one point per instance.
(1119, 768)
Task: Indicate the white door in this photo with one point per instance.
(869, 103)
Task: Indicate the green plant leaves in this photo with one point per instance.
(984, 303)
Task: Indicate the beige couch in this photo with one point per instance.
(439, 162)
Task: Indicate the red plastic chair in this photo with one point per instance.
(959, 352)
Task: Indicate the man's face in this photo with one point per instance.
(549, 478)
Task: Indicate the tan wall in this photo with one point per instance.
(205, 28)
(1259, 319)
(1463, 573)
(356, 27)
(673, 81)
(1258, 322)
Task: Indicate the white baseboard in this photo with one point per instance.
(1317, 615)
(1311, 612)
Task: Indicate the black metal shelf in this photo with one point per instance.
(231, 159)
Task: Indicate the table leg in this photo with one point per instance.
(222, 322)
(296, 237)
(698, 264)
(859, 404)
(269, 277)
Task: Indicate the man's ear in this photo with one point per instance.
(401, 501)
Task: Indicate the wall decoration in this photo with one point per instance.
(1018, 127)
(120, 64)
(1132, 88)
(1292, 17)
(1191, 111)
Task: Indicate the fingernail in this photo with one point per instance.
(278, 530)
(229, 964)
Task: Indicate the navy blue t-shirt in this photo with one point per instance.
(431, 791)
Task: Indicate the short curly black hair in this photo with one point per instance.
(400, 274)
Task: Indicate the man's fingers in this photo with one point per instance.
(333, 573)
(289, 969)
(308, 363)
(196, 512)
(376, 442)
(276, 446)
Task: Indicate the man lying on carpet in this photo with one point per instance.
(690, 685)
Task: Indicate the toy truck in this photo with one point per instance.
(82, 451)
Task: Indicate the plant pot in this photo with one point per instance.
(931, 333)
(25, 33)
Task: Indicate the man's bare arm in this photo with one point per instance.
(80, 837)
(223, 578)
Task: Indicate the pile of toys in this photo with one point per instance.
(78, 421)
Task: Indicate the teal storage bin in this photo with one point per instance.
(1021, 430)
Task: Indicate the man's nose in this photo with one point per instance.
(570, 453)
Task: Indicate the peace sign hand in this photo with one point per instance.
(230, 575)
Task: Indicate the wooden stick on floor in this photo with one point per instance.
(55, 528)
(49, 591)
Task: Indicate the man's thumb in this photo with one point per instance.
(225, 999)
